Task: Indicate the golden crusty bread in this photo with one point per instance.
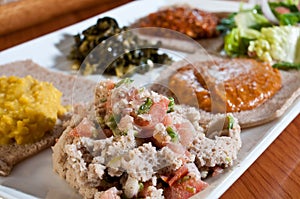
(75, 90)
(28, 10)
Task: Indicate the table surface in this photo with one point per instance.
(275, 174)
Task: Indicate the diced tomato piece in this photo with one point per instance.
(74, 133)
(187, 132)
(164, 178)
(282, 10)
(182, 171)
(158, 111)
(111, 193)
(184, 189)
(110, 85)
(177, 148)
(83, 129)
(167, 121)
(140, 121)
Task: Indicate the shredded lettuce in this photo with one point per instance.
(250, 33)
(246, 18)
(251, 19)
(278, 43)
(237, 41)
(247, 26)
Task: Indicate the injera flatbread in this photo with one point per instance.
(267, 112)
(75, 90)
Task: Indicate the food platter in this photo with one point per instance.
(35, 176)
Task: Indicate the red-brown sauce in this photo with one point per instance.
(240, 84)
(190, 21)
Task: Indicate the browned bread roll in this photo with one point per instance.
(20, 14)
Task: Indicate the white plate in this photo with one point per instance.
(35, 176)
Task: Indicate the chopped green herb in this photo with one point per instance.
(191, 189)
(135, 133)
(112, 123)
(103, 100)
(172, 134)
(124, 81)
(141, 186)
(230, 122)
(141, 89)
(228, 159)
(171, 105)
(286, 65)
(115, 162)
(101, 121)
(145, 108)
(184, 179)
(289, 18)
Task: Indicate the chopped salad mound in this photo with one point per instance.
(135, 143)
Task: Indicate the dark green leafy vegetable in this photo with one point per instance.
(286, 65)
(144, 108)
(290, 18)
(121, 52)
(172, 134)
(227, 24)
